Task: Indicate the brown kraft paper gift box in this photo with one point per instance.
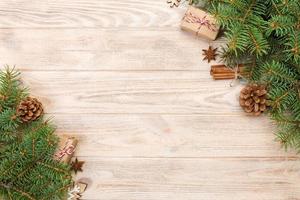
(201, 23)
(67, 147)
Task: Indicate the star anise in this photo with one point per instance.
(77, 166)
(210, 54)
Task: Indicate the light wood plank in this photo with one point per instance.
(88, 13)
(170, 135)
(89, 49)
(152, 125)
(133, 92)
(192, 179)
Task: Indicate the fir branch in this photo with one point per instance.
(248, 10)
(266, 35)
(27, 149)
(10, 88)
(18, 191)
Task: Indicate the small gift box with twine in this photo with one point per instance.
(201, 23)
(66, 149)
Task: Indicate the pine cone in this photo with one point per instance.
(30, 109)
(253, 99)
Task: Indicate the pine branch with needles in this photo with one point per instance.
(27, 168)
(265, 35)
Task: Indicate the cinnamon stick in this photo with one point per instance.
(222, 72)
(223, 77)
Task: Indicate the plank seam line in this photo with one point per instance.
(193, 158)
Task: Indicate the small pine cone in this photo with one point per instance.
(30, 109)
(253, 99)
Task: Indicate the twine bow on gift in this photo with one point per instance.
(239, 75)
(190, 18)
(68, 149)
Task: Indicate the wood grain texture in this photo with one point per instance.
(94, 50)
(193, 179)
(170, 136)
(149, 92)
(152, 124)
(88, 13)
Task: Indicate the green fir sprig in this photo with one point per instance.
(27, 168)
(265, 35)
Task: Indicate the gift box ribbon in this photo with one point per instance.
(190, 18)
(68, 149)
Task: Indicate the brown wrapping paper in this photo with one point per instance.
(66, 149)
(200, 23)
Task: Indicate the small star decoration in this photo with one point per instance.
(77, 166)
(75, 192)
(173, 3)
(210, 54)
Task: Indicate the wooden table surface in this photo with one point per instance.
(152, 124)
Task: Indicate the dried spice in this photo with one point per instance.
(210, 54)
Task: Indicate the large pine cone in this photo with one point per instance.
(30, 109)
(253, 99)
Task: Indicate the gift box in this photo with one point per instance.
(66, 149)
(200, 23)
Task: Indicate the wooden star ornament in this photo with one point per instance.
(77, 165)
(75, 192)
(210, 54)
(173, 3)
